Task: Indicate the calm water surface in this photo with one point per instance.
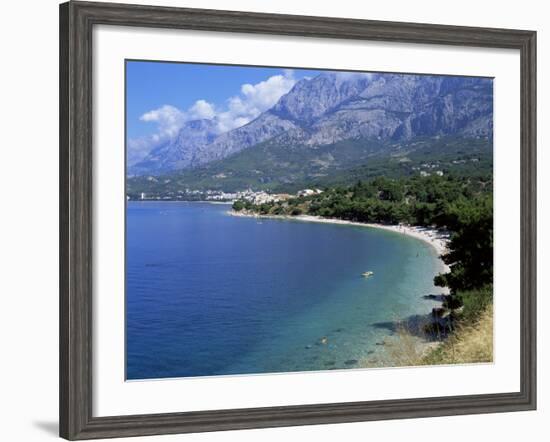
(212, 294)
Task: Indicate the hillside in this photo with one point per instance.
(269, 166)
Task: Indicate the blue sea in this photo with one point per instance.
(209, 294)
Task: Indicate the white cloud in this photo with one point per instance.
(139, 148)
(169, 120)
(200, 110)
(254, 99)
(343, 76)
(239, 110)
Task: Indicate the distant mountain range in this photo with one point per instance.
(333, 129)
(333, 115)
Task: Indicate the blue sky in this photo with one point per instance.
(161, 96)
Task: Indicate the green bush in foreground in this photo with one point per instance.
(474, 303)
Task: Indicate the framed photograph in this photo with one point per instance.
(272, 220)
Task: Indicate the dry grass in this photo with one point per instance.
(467, 344)
(406, 349)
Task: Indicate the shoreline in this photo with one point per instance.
(435, 238)
(225, 203)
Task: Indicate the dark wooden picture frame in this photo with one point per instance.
(77, 20)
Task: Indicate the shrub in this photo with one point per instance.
(475, 302)
(238, 206)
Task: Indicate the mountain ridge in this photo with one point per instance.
(334, 107)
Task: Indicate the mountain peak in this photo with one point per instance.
(338, 106)
(179, 152)
(309, 99)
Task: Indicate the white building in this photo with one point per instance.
(308, 192)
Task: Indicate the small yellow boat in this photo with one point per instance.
(367, 274)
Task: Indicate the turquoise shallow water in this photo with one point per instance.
(212, 294)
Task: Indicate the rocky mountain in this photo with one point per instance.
(335, 107)
(265, 127)
(179, 152)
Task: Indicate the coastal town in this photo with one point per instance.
(249, 195)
